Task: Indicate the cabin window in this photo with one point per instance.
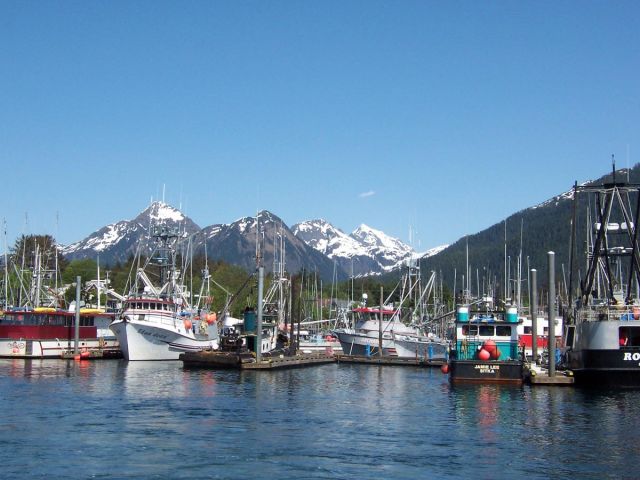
(153, 306)
(504, 331)
(528, 330)
(545, 331)
(470, 330)
(487, 330)
(629, 336)
(146, 305)
(571, 330)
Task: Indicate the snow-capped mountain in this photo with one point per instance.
(233, 243)
(118, 241)
(314, 245)
(387, 250)
(350, 254)
(236, 243)
(366, 250)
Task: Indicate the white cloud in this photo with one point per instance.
(370, 193)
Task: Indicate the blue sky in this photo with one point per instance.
(442, 117)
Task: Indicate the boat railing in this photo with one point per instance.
(467, 349)
(604, 313)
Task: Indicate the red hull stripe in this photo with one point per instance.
(34, 332)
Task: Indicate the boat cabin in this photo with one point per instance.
(54, 318)
(486, 335)
(149, 304)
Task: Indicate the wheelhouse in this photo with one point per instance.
(476, 330)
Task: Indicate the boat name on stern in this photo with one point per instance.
(487, 368)
(631, 357)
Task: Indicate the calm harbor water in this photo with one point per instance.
(113, 419)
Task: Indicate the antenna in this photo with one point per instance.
(6, 267)
(613, 165)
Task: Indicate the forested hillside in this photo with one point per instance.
(531, 233)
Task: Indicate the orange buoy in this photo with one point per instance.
(445, 368)
(84, 354)
(484, 354)
(76, 357)
(187, 324)
(495, 355)
(490, 346)
(212, 318)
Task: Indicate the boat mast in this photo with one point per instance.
(6, 267)
(506, 277)
(98, 284)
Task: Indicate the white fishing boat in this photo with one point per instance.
(159, 323)
(373, 328)
(398, 340)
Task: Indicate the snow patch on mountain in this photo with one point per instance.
(160, 212)
(329, 240)
(366, 251)
(119, 240)
(113, 234)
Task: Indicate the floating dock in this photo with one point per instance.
(246, 361)
(540, 376)
(375, 360)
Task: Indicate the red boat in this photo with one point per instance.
(50, 333)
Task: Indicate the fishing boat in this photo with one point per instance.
(159, 322)
(36, 325)
(241, 334)
(311, 342)
(486, 346)
(44, 332)
(398, 339)
(396, 331)
(603, 325)
(525, 334)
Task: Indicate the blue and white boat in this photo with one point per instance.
(486, 348)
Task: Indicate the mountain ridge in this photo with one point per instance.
(235, 243)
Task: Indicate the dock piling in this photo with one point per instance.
(76, 344)
(534, 315)
(259, 326)
(552, 316)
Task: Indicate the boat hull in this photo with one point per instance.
(55, 341)
(606, 368)
(146, 341)
(364, 345)
(324, 346)
(58, 348)
(478, 371)
(601, 357)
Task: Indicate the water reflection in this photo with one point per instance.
(152, 419)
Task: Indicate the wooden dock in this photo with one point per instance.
(540, 376)
(246, 361)
(375, 360)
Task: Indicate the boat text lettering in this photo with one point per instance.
(487, 368)
(631, 357)
(151, 334)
